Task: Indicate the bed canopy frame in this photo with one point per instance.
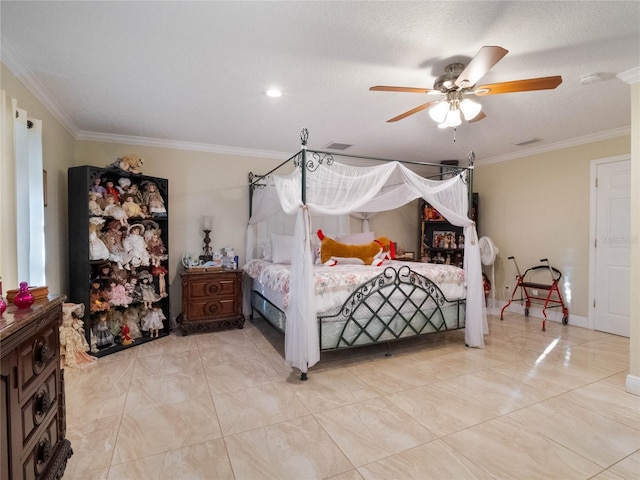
(321, 186)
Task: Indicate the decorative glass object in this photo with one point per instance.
(3, 305)
(24, 298)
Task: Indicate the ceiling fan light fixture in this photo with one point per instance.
(453, 118)
(470, 109)
(438, 112)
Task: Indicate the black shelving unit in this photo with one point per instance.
(440, 241)
(83, 271)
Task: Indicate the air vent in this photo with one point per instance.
(338, 146)
(526, 141)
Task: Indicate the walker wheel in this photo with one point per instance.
(526, 311)
(565, 319)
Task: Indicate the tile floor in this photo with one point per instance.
(531, 405)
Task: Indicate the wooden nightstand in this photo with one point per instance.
(211, 300)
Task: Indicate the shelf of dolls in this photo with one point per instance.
(119, 269)
(441, 242)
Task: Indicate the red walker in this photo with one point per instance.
(529, 291)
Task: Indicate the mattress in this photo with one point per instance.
(333, 285)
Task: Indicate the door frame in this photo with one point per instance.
(593, 192)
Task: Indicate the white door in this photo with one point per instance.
(612, 252)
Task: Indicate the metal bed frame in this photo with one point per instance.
(389, 298)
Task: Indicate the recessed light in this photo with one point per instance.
(274, 92)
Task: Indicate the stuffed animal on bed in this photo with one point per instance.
(373, 253)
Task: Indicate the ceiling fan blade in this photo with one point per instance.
(383, 88)
(542, 83)
(479, 65)
(412, 111)
(478, 117)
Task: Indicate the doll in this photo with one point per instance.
(104, 337)
(131, 317)
(125, 334)
(73, 344)
(97, 249)
(94, 207)
(161, 272)
(155, 247)
(118, 296)
(97, 300)
(97, 187)
(145, 211)
(153, 199)
(135, 247)
(114, 321)
(113, 240)
(152, 321)
(132, 209)
(113, 209)
(133, 289)
(135, 193)
(123, 185)
(110, 189)
(149, 295)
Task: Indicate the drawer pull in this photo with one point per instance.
(41, 355)
(41, 405)
(43, 453)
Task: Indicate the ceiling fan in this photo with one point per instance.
(459, 82)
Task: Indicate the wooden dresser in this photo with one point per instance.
(32, 442)
(211, 300)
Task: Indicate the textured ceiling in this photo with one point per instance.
(194, 73)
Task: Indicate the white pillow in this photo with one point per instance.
(266, 251)
(282, 248)
(357, 238)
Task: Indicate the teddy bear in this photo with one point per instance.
(129, 162)
(373, 253)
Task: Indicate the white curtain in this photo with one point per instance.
(22, 240)
(339, 189)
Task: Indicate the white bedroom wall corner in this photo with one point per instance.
(633, 378)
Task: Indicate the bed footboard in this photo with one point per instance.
(397, 303)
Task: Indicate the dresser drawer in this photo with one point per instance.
(37, 458)
(37, 358)
(39, 407)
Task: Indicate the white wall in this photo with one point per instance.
(538, 207)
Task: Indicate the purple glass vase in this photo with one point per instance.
(23, 298)
(3, 305)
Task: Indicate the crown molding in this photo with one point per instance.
(18, 67)
(178, 145)
(630, 76)
(572, 142)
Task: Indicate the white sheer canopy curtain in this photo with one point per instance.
(339, 189)
(22, 242)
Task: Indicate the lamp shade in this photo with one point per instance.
(470, 109)
(207, 223)
(438, 113)
(453, 118)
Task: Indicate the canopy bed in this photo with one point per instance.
(322, 308)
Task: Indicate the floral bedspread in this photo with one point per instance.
(334, 284)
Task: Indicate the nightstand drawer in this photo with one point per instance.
(214, 285)
(220, 308)
(211, 300)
